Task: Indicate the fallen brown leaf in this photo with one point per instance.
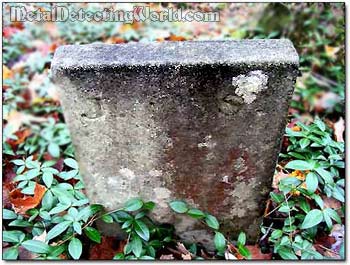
(21, 137)
(176, 38)
(16, 119)
(232, 249)
(22, 203)
(107, 249)
(277, 178)
(6, 72)
(24, 254)
(331, 51)
(256, 253)
(331, 202)
(36, 81)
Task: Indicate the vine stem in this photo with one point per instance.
(290, 195)
(290, 219)
(93, 219)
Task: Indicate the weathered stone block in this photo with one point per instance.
(199, 121)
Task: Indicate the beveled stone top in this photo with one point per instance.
(187, 53)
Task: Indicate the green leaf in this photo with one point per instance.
(62, 193)
(73, 212)
(59, 208)
(71, 163)
(75, 248)
(318, 200)
(47, 178)
(10, 253)
(140, 215)
(149, 205)
(151, 251)
(57, 250)
(299, 164)
(119, 256)
(133, 205)
(312, 218)
(320, 124)
(30, 174)
(13, 236)
(128, 248)
(286, 254)
(178, 206)
(54, 149)
(48, 200)
(49, 164)
(18, 162)
(66, 175)
(20, 178)
(93, 234)
(284, 209)
(77, 227)
(244, 251)
(241, 238)
(276, 234)
(220, 242)
(28, 190)
(333, 214)
(338, 193)
(212, 222)
(278, 198)
(121, 216)
(311, 182)
(327, 219)
(195, 213)
(141, 229)
(36, 246)
(136, 246)
(326, 175)
(127, 224)
(58, 229)
(20, 223)
(107, 218)
(304, 205)
(88, 211)
(44, 214)
(304, 143)
(8, 215)
(296, 155)
(290, 181)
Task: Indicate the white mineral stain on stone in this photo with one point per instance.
(161, 196)
(127, 173)
(207, 142)
(162, 193)
(155, 173)
(243, 193)
(248, 86)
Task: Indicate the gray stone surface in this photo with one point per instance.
(199, 121)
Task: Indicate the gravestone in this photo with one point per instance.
(196, 121)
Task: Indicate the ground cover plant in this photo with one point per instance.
(46, 214)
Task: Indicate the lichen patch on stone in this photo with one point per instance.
(248, 86)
